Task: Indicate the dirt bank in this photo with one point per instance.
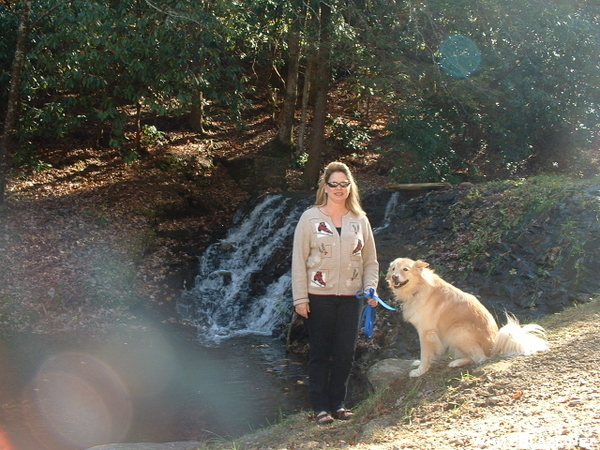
(548, 401)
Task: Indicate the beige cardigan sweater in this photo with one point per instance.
(327, 263)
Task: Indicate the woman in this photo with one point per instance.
(334, 256)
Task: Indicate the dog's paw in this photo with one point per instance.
(416, 363)
(415, 373)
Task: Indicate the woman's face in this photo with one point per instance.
(337, 193)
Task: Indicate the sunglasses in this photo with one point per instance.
(334, 184)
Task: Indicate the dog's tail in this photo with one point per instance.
(514, 339)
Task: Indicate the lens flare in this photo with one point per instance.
(4, 442)
(146, 364)
(77, 400)
(459, 56)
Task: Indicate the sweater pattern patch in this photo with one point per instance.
(359, 243)
(324, 229)
(319, 278)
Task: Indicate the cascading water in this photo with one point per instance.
(390, 208)
(244, 280)
(244, 284)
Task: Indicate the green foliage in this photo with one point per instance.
(533, 93)
(301, 160)
(90, 60)
(492, 209)
(425, 137)
(350, 137)
(523, 88)
(151, 136)
(9, 19)
(131, 156)
(26, 157)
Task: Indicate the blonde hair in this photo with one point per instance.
(353, 200)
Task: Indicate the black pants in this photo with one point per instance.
(332, 333)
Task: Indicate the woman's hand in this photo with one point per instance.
(303, 309)
(371, 301)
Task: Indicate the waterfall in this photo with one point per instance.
(390, 208)
(243, 284)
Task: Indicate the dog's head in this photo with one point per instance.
(404, 270)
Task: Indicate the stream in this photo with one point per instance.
(144, 383)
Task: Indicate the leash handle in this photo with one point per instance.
(371, 294)
(368, 320)
(368, 315)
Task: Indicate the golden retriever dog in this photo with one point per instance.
(447, 318)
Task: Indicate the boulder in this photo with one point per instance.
(386, 371)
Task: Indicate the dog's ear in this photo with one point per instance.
(421, 265)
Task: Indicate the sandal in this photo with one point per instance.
(324, 418)
(343, 414)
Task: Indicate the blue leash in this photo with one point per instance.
(368, 315)
(371, 294)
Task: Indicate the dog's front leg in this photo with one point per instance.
(430, 348)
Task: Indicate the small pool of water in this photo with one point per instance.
(144, 383)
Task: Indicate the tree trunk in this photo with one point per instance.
(305, 94)
(13, 96)
(311, 172)
(286, 128)
(138, 126)
(197, 113)
(310, 78)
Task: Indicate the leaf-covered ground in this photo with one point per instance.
(93, 235)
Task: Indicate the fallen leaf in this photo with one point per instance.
(517, 395)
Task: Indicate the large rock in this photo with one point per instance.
(386, 371)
